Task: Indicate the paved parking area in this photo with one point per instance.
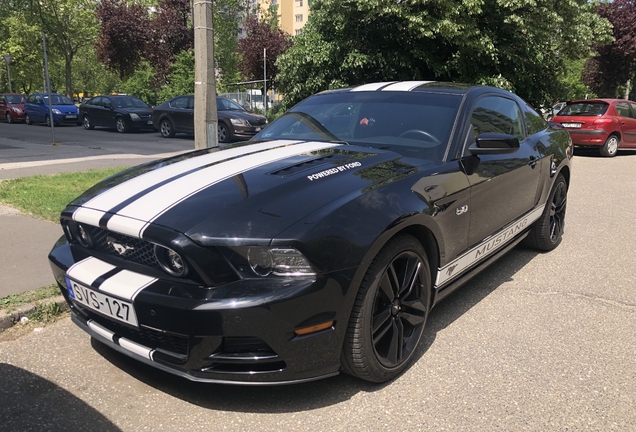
(537, 342)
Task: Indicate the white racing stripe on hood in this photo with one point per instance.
(93, 210)
(135, 217)
(88, 270)
(126, 284)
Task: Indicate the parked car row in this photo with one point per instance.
(126, 113)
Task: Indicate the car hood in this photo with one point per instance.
(66, 109)
(253, 118)
(140, 111)
(252, 191)
(15, 105)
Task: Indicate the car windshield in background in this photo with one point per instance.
(129, 102)
(223, 104)
(15, 99)
(584, 109)
(59, 100)
(414, 124)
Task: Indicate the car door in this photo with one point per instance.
(108, 112)
(180, 115)
(627, 122)
(3, 105)
(503, 186)
(92, 110)
(189, 122)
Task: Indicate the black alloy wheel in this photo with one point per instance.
(120, 123)
(87, 123)
(390, 312)
(224, 133)
(547, 232)
(9, 119)
(166, 129)
(27, 119)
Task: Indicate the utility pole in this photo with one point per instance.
(205, 116)
(265, 80)
(48, 88)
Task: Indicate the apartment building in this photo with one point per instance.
(292, 14)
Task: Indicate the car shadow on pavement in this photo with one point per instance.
(29, 402)
(326, 392)
(594, 152)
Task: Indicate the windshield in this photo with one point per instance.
(129, 102)
(58, 100)
(223, 104)
(414, 124)
(584, 109)
(15, 99)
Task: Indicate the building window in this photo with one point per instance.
(299, 3)
(298, 31)
(299, 18)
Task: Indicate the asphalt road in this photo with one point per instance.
(537, 342)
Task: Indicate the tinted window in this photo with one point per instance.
(181, 102)
(413, 124)
(223, 104)
(191, 102)
(14, 99)
(497, 115)
(57, 99)
(534, 122)
(622, 108)
(584, 109)
(31, 99)
(98, 101)
(129, 102)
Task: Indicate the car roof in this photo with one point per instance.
(409, 86)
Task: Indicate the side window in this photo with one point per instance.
(181, 102)
(191, 102)
(497, 114)
(633, 107)
(98, 101)
(622, 108)
(534, 122)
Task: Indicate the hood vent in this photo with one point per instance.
(311, 164)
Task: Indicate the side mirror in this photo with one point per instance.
(555, 125)
(494, 143)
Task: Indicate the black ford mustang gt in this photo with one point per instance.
(322, 244)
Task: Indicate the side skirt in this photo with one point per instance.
(440, 294)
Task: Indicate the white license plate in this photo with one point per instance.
(71, 116)
(572, 125)
(149, 121)
(257, 129)
(114, 308)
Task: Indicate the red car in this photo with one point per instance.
(12, 107)
(604, 123)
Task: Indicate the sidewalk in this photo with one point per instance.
(25, 241)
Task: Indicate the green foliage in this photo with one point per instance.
(181, 80)
(142, 84)
(516, 44)
(46, 312)
(12, 301)
(24, 43)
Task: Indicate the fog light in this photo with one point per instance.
(313, 329)
(80, 234)
(170, 261)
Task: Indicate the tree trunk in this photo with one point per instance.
(68, 57)
(627, 87)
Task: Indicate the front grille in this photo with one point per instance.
(123, 246)
(256, 122)
(149, 338)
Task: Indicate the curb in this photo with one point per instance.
(9, 319)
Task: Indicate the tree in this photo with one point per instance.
(261, 35)
(520, 45)
(69, 25)
(615, 64)
(24, 43)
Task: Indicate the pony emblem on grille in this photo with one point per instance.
(120, 248)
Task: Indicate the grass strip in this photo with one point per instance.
(10, 302)
(46, 196)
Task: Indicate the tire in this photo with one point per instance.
(610, 148)
(223, 133)
(547, 232)
(166, 129)
(390, 312)
(27, 119)
(9, 119)
(47, 120)
(120, 124)
(87, 123)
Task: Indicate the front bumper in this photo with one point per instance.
(143, 123)
(241, 332)
(65, 119)
(17, 117)
(246, 132)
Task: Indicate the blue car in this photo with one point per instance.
(37, 110)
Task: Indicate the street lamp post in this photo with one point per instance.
(7, 60)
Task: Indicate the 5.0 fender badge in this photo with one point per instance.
(461, 210)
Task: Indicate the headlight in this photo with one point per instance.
(170, 261)
(56, 111)
(17, 110)
(134, 116)
(239, 122)
(278, 262)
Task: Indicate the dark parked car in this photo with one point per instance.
(12, 107)
(607, 124)
(37, 110)
(124, 113)
(322, 244)
(235, 124)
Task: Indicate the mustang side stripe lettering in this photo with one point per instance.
(155, 203)
(485, 248)
(120, 193)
